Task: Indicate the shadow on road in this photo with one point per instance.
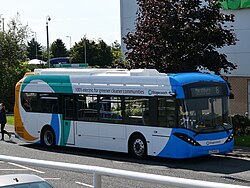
(214, 164)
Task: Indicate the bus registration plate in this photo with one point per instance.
(213, 151)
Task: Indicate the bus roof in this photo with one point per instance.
(176, 79)
(191, 77)
(143, 79)
(137, 75)
(98, 72)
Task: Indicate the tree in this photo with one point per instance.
(180, 36)
(116, 52)
(97, 54)
(58, 49)
(12, 54)
(104, 54)
(34, 50)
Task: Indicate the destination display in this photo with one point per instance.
(206, 91)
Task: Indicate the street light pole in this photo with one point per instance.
(69, 41)
(47, 31)
(85, 51)
(36, 43)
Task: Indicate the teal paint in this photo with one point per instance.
(58, 83)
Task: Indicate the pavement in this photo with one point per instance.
(243, 152)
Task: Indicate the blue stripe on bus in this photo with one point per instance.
(55, 123)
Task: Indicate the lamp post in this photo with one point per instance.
(85, 51)
(47, 31)
(36, 43)
(69, 41)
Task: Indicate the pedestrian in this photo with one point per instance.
(3, 121)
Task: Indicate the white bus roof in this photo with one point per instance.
(98, 72)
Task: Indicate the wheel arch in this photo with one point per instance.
(46, 126)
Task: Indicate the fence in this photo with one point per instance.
(101, 171)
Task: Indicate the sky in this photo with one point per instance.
(70, 19)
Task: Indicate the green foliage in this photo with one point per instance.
(34, 50)
(180, 36)
(97, 54)
(10, 120)
(229, 4)
(58, 49)
(240, 121)
(12, 53)
(242, 141)
(116, 52)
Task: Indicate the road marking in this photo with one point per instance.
(84, 184)
(21, 166)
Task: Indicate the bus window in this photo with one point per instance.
(110, 109)
(68, 107)
(87, 107)
(167, 112)
(49, 102)
(30, 102)
(81, 106)
(136, 110)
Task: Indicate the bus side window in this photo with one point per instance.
(81, 106)
(87, 108)
(136, 110)
(48, 103)
(29, 101)
(25, 102)
(167, 112)
(110, 109)
(68, 109)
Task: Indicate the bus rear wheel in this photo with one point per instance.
(138, 147)
(48, 138)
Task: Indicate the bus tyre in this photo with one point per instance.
(138, 146)
(48, 137)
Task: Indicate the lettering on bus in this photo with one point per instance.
(108, 91)
(153, 92)
(206, 91)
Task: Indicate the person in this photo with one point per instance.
(3, 121)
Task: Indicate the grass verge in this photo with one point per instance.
(10, 120)
(242, 140)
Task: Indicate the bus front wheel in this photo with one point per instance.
(138, 146)
(48, 138)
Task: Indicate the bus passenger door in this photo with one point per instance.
(68, 120)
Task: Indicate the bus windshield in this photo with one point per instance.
(203, 115)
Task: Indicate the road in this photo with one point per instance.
(224, 169)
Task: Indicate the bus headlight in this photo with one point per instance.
(230, 138)
(187, 139)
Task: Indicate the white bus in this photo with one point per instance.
(139, 111)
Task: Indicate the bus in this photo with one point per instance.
(139, 111)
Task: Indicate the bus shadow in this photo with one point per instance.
(220, 164)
